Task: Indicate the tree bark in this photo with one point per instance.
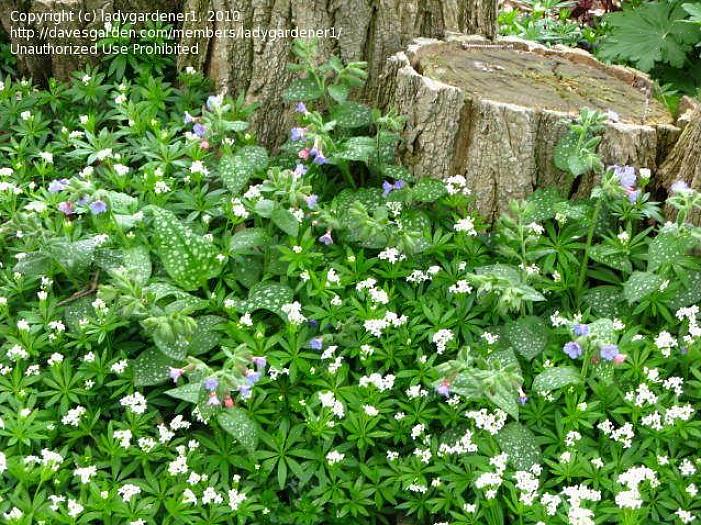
(684, 161)
(494, 112)
(367, 30)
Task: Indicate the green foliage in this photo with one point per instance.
(576, 153)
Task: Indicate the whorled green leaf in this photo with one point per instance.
(238, 423)
(189, 259)
(555, 378)
(520, 444)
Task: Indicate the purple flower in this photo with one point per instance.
(626, 176)
(311, 200)
(398, 185)
(97, 207)
(187, 118)
(211, 384)
(213, 102)
(522, 397)
(443, 388)
(326, 239)
(316, 344)
(313, 323)
(199, 130)
(679, 187)
(58, 185)
(245, 391)
(300, 170)
(66, 207)
(301, 108)
(319, 158)
(609, 352)
(252, 377)
(213, 400)
(633, 196)
(84, 200)
(573, 349)
(175, 374)
(260, 362)
(297, 134)
(387, 188)
(580, 329)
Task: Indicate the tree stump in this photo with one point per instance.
(366, 30)
(494, 112)
(684, 161)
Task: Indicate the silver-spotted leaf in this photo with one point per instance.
(189, 259)
(555, 378)
(238, 423)
(520, 445)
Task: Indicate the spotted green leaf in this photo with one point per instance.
(429, 190)
(640, 285)
(528, 336)
(189, 392)
(152, 367)
(237, 169)
(303, 89)
(520, 445)
(238, 423)
(265, 296)
(555, 378)
(352, 115)
(248, 241)
(286, 221)
(189, 259)
(358, 149)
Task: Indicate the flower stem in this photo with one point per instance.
(585, 259)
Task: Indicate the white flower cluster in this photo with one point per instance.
(576, 494)
(460, 287)
(631, 479)
(294, 314)
(491, 422)
(466, 225)
(378, 381)
(527, 483)
(328, 400)
(492, 480)
(464, 445)
(441, 339)
(136, 403)
(391, 255)
(419, 276)
(457, 184)
(377, 326)
(623, 434)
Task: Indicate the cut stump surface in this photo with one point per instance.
(494, 112)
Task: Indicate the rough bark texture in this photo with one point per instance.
(684, 161)
(369, 30)
(42, 67)
(494, 112)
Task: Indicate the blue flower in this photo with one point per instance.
(187, 118)
(58, 185)
(199, 130)
(633, 196)
(609, 352)
(301, 108)
(213, 102)
(316, 344)
(580, 329)
(245, 391)
(211, 384)
(297, 134)
(573, 349)
(387, 188)
(97, 207)
(260, 362)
